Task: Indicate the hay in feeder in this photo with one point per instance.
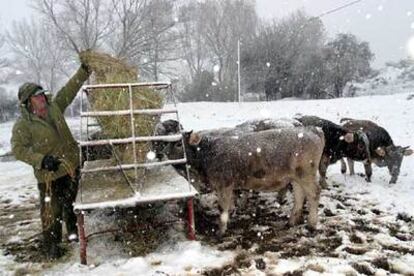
(106, 70)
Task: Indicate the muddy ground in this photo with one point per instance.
(368, 239)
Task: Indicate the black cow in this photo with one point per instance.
(339, 143)
(383, 152)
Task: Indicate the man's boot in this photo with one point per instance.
(53, 251)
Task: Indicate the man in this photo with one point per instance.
(42, 139)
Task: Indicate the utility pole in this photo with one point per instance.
(238, 69)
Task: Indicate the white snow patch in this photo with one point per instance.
(185, 258)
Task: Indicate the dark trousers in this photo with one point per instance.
(63, 194)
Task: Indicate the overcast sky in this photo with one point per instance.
(386, 24)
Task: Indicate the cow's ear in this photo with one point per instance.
(380, 151)
(408, 152)
(349, 137)
(195, 139)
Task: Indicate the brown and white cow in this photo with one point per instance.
(339, 143)
(383, 152)
(263, 161)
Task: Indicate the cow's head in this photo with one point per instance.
(392, 158)
(357, 145)
(168, 127)
(175, 150)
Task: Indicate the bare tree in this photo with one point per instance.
(83, 24)
(129, 38)
(215, 31)
(194, 50)
(3, 60)
(145, 34)
(38, 53)
(163, 37)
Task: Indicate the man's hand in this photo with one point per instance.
(50, 163)
(83, 58)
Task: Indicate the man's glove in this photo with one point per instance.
(50, 163)
(84, 58)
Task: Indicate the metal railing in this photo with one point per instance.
(133, 139)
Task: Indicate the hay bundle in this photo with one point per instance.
(111, 70)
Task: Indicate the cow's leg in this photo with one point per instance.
(298, 200)
(368, 171)
(323, 167)
(351, 164)
(343, 166)
(225, 201)
(281, 195)
(312, 192)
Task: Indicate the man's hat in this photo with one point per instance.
(29, 89)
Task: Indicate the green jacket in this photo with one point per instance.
(33, 138)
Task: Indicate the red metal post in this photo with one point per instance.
(190, 219)
(82, 238)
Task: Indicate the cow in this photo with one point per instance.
(256, 125)
(383, 152)
(264, 161)
(339, 143)
(169, 127)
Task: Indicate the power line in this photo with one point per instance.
(338, 8)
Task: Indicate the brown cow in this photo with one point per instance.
(264, 161)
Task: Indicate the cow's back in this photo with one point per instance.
(377, 135)
(270, 153)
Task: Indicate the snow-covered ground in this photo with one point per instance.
(392, 79)
(354, 203)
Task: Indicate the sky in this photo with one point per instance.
(388, 25)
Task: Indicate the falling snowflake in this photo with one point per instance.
(216, 68)
(300, 135)
(176, 19)
(412, 25)
(368, 16)
(259, 234)
(214, 83)
(11, 216)
(409, 13)
(268, 64)
(250, 154)
(258, 150)
(47, 199)
(151, 155)
(380, 7)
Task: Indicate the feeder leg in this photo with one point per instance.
(82, 238)
(190, 219)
